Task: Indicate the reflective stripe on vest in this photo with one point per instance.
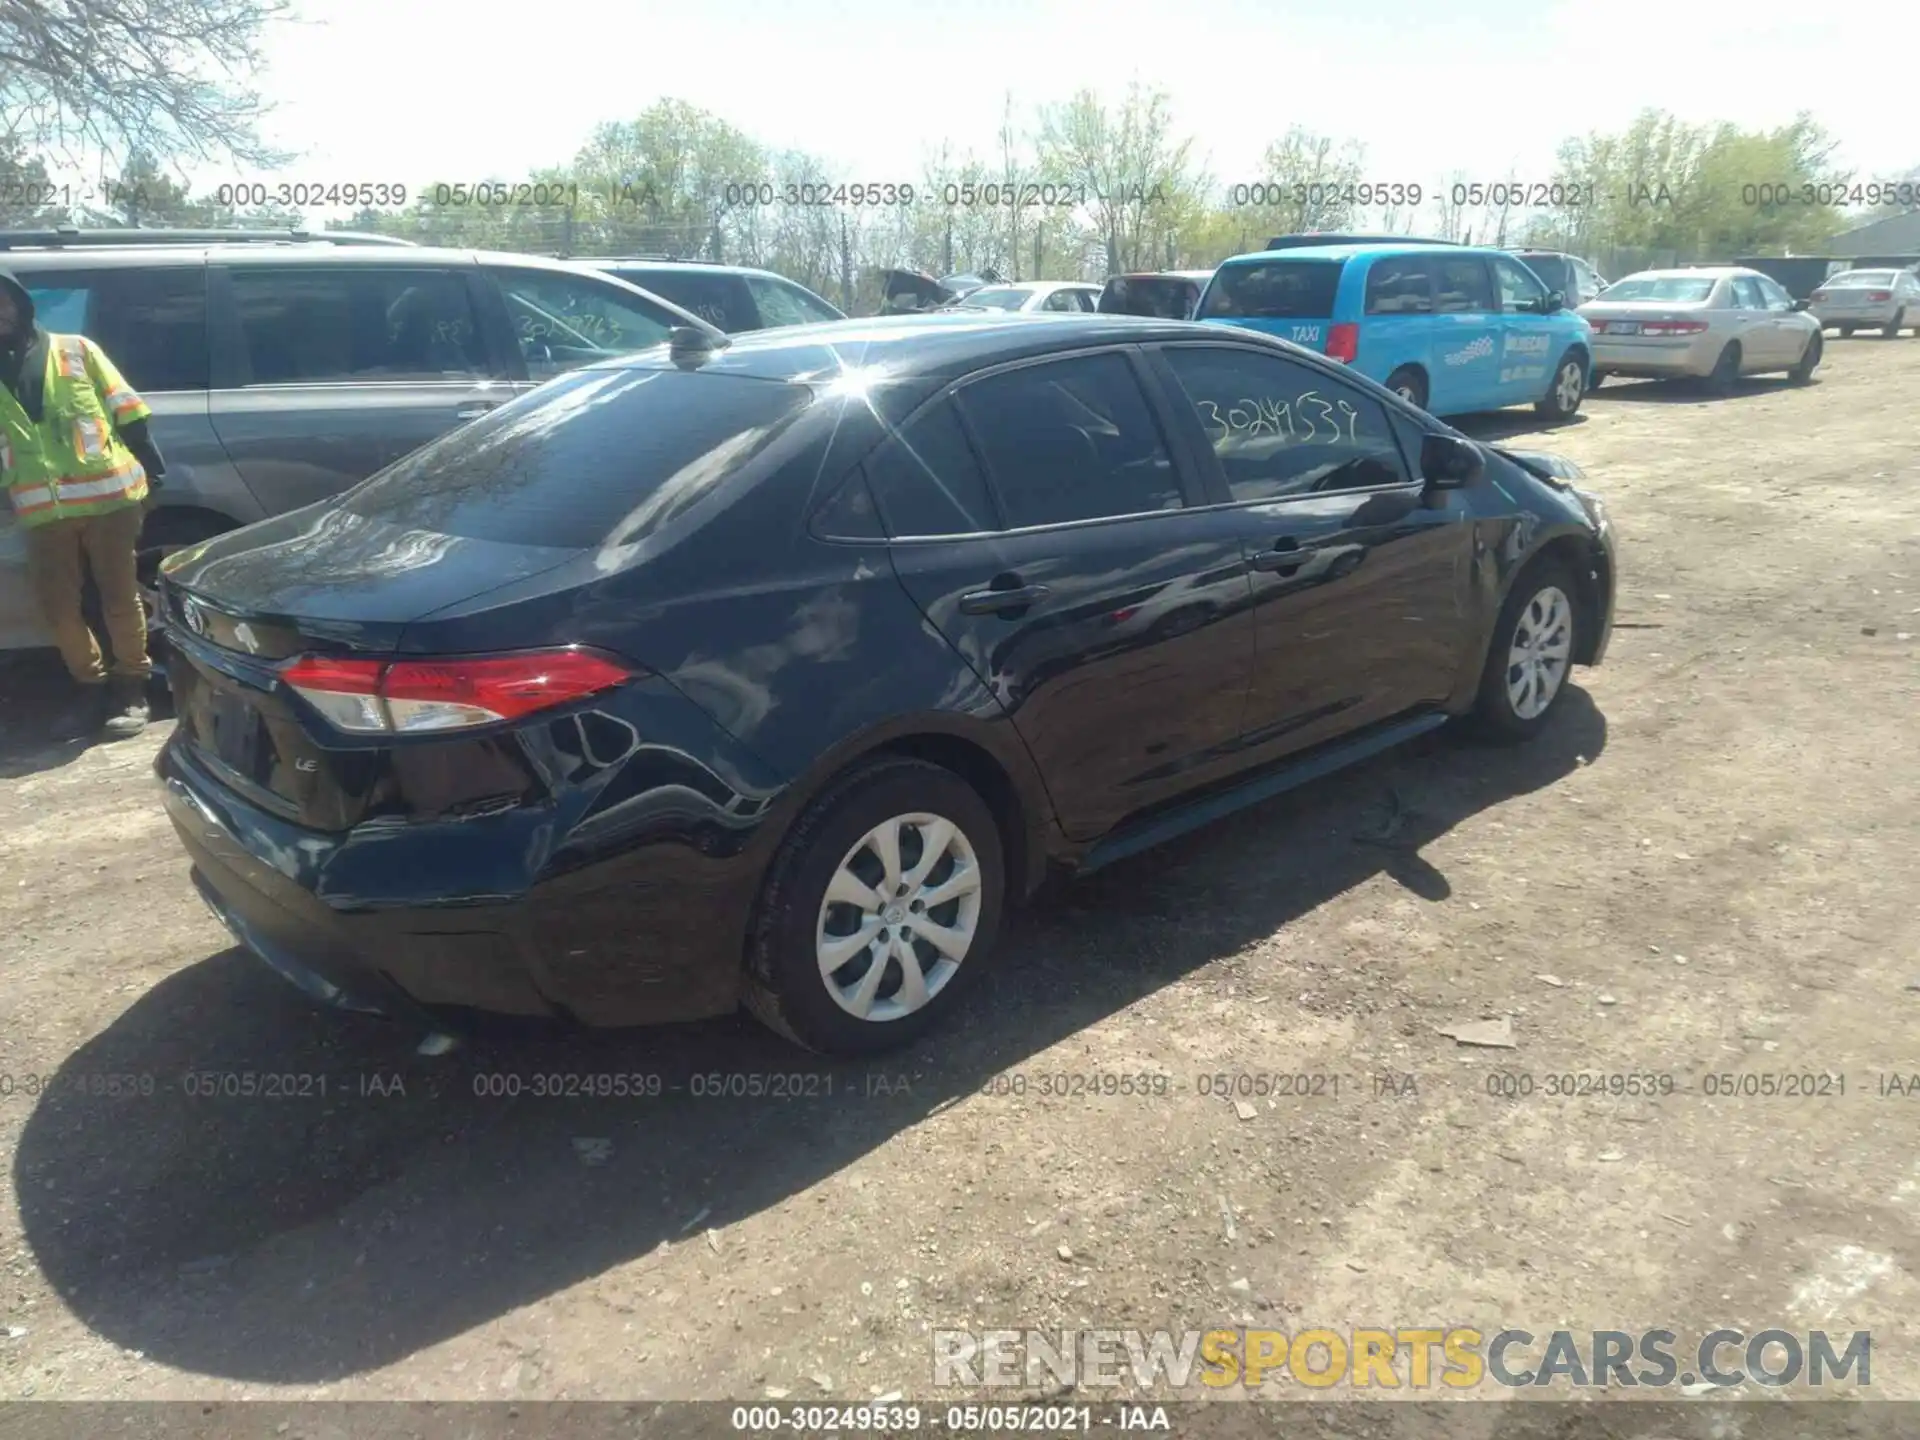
(117, 484)
(70, 358)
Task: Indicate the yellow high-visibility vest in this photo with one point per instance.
(72, 464)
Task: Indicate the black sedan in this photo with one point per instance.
(773, 671)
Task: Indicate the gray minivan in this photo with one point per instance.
(283, 373)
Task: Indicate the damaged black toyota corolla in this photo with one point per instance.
(773, 671)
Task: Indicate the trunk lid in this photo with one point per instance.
(319, 581)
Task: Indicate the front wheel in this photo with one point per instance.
(882, 906)
(1895, 325)
(1809, 360)
(1532, 651)
(1562, 400)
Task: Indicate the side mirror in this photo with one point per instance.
(1450, 461)
(1555, 301)
(1802, 304)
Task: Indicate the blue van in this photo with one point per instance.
(1453, 328)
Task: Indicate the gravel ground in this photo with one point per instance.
(1706, 868)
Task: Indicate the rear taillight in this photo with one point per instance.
(410, 697)
(1672, 327)
(1343, 342)
(1878, 295)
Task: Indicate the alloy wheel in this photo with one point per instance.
(1567, 389)
(1538, 656)
(899, 917)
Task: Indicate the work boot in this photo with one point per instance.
(127, 712)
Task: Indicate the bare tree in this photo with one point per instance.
(165, 77)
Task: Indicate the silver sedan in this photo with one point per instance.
(1713, 323)
(1883, 300)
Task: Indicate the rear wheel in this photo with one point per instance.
(1409, 384)
(1531, 654)
(1846, 332)
(1562, 400)
(1726, 371)
(1809, 360)
(882, 906)
(1895, 325)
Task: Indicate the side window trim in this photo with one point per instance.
(1192, 489)
(1216, 473)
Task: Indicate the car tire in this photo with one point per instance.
(1894, 326)
(1846, 332)
(1565, 391)
(1600, 377)
(838, 845)
(1538, 624)
(1725, 375)
(1809, 360)
(1409, 384)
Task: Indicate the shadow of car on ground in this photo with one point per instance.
(308, 1237)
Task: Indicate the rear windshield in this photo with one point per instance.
(995, 297)
(1165, 297)
(1863, 277)
(595, 456)
(1668, 289)
(1274, 290)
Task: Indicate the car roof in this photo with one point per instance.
(292, 253)
(927, 346)
(1690, 272)
(1358, 250)
(1160, 275)
(675, 267)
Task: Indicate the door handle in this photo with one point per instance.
(475, 410)
(1285, 556)
(999, 602)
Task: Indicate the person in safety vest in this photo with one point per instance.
(77, 465)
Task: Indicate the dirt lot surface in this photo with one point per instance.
(1707, 868)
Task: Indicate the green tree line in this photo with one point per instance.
(1077, 190)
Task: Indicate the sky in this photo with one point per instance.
(396, 91)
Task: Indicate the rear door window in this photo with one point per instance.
(1070, 440)
(605, 456)
(1747, 294)
(927, 481)
(152, 323)
(309, 325)
(1275, 290)
(1400, 285)
(1280, 428)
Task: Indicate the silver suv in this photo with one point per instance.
(283, 372)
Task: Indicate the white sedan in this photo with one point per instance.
(1715, 323)
(1071, 297)
(1883, 300)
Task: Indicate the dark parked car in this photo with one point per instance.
(1576, 281)
(1162, 294)
(774, 671)
(736, 298)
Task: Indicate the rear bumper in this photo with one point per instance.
(1655, 358)
(641, 938)
(1866, 319)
